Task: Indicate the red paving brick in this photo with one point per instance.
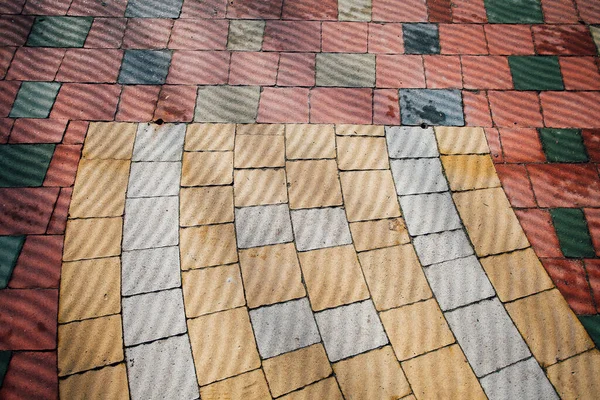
(75, 133)
(580, 73)
(39, 263)
(296, 69)
(63, 165)
(570, 278)
(386, 38)
(82, 101)
(106, 33)
(476, 108)
(486, 72)
(591, 138)
(97, 8)
(344, 37)
(509, 39)
(592, 216)
(515, 109)
(15, 29)
(565, 185)
(462, 39)
(559, 12)
(493, 139)
(341, 105)
(253, 68)
(193, 34)
(310, 9)
(8, 92)
(400, 71)
(58, 221)
(255, 9)
(592, 267)
(516, 185)
(521, 145)
(439, 10)
(204, 9)
(32, 375)
(563, 40)
(199, 67)
(138, 102)
(6, 125)
(176, 103)
(26, 210)
(35, 64)
(468, 11)
(283, 105)
(6, 56)
(301, 36)
(589, 11)
(540, 232)
(46, 7)
(147, 33)
(443, 72)
(386, 109)
(90, 65)
(12, 7)
(571, 109)
(33, 130)
(399, 10)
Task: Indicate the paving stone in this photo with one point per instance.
(260, 129)
(355, 153)
(429, 213)
(470, 171)
(576, 377)
(154, 8)
(346, 70)
(463, 140)
(92, 238)
(59, 31)
(207, 246)
(251, 385)
(369, 235)
(536, 72)
(151, 368)
(431, 106)
(313, 183)
(34, 100)
(207, 168)
(255, 187)
(572, 231)
(206, 205)
(151, 316)
(145, 67)
(416, 176)
(258, 151)
(109, 140)
(154, 179)
(444, 246)
(263, 225)
(350, 330)
(514, 11)
(325, 389)
(354, 10)
(320, 227)
(591, 323)
(151, 222)
(563, 145)
(304, 141)
(159, 142)
(227, 104)
(207, 137)
(108, 383)
(421, 39)
(10, 248)
(245, 35)
(150, 270)
(359, 130)
(410, 142)
(369, 195)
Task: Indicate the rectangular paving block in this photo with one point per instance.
(206, 205)
(263, 225)
(10, 248)
(317, 228)
(106, 233)
(207, 168)
(313, 183)
(59, 31)
(159, 142)
(151, 222)
(410, 142)
(369, 195)
(444, 246)
(23, 165)
(470, 171)
(253, 187)
(245, 35)
(150, 270)
(461, 140)
(207, 246)
(431, 107)
(34, 100)
(514, 11)
(429, 213)
(227, 104)
(572, 231)
(536, 72)
(145, 67)
(354, 10)
(154, 8)
(563, 145)
(418, 175)
(421, 38)
(154, 179)
(345, 70)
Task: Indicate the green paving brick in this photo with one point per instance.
(536, 72)
(59, 31)
(35, 100)
(24, 165)
(514, 11)
(572, 232)
(5, 356)
(591, 323)
(10, 248)
(563, 145)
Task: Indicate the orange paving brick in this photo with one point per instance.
(452, 39)
(580, 73)
(565, 185)
(443, 72)
(570, 278)
(486, 72)
(521, 145)
(571, 109)
(509, 39)
(515, 183)
(477, 109)
(559, 12)
(538, 227)
(515, 109)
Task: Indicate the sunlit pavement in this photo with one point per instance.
(256, 199)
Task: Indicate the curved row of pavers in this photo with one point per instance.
(505, 367)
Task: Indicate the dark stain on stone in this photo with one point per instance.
(431, 114)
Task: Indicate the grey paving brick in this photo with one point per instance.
(34, 100)
(152, 179)
(444, 246)
(162, 370)
(416, 176)
(159, 142)
(284, 327)
(152, 316)
(245, 35)
(151, 222)
(263, 225)
(429, 213)
(411, 142)
(150, 270)
(59, 31)
(346, 70)
(487, 336)
(317, 228)
(354, 10)
(459, 282)
(145, 67)
(350, 330)
(431, 106)
(154, 8)
(227, 104)
(421, 38)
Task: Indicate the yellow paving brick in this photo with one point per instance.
(394, 276)
(466, 172)
(325, 389)
(206, 246)
(89, 344)
(333, 277)
(360, 152)
(259, 151)
(100, 189)
(443, 374)
(92, 238)
(204, 169)
(254, 187)
(577, 377)
(490, 221)
(209, 137)
(360, 130)
(373, 375)
(222, 345)
(109, 140)
(313, 183)
(210, 290)
(369, 195)
(549, 327)
(296, 369)
(416, 329)
(516, 274)
(90, 288)
(248, 386)
(206, 205)
(105, 383)
(369, 235)
(461, 140)
(305, 141)
(261, 129)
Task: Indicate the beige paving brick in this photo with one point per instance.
(313, 183)
(271, 274)
(466, 172)
(369, 235)
(89, 344)
(206, 246)
(222, 345)
(90, 288)
(92, 238)
(209, 137)
(373, 375)
(369, 195)
(259, 151)
(461, 140)
(454, 378)
(204, 169)
(577, 377)
(254, 187)
(248, 386)
(325, 389)
(490, 221)
(304, 141)
(210, 290)
(295, 369)
(355, 153)
(416, 329)
(516, 274)
(261, 129)
(206, 205)
(105, 383)
(359, 130)
(109, 140)
(99, 189)
(333, 277)
(549, 327)
(394, 276)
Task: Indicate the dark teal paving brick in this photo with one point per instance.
(572, 232)
(421, 39)
(431, 107)
(563, 145)
(59, 31)
(35, 100)
(24, 165)
(145, 67)
(154, 8)
(5, 356)
(536, 72)
(10, 248)
(591, 324)
(514, 11)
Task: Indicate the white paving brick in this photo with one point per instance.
(429, 213)
(444, 246)
(152, 179)
(151, 222)
(411, 142)
(418, 175)
(150, 270)
(263, 225)
(317, 228)
(159, 142)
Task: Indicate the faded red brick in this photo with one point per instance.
(571, 109)
(540, 232)
(194, 34)
(565, 185)
(476, 108)
(106, 33)
(400, 71)
(97, 8)
(515, 109)
(521, 145)
(509, 39)
(440, 10)
(486, 72)
(386, 108)
(82, 101)
(344, 37)
(296, 69)
(278, 105)
(462, 39)
(63, 166)
(443, 72)
(199, 67)
(176, 103)
(35, 64)
(254, 9)
(39, 263)
(589, 11)
(563, 40)
(12, 7)
(468, 11)
(310, 9)
(58, 221)
(570, 278)
(6, 56)
(515, 183)
(35, 130)
(580, 73)
(46, 7)
(341, 105)
(75, 133)
(147, 33)
(559, 12)
(399, 10)
(493, 139)
(203, 9)
(292, 36)
(6, 125)
(386, 38)
(137, 103)
(253, 68)
(26, 210)
(8, 93)
(32, 375)
(15, 29)
(90, 65)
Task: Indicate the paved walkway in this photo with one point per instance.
(299, 199)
